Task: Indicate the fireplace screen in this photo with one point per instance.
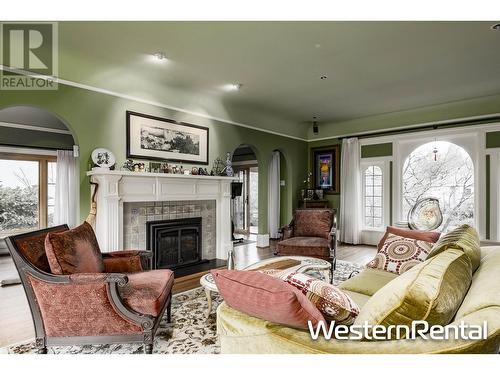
(174, 243)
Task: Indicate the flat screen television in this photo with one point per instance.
(236, 189)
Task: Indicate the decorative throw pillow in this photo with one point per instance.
(420, 235)
(432, 291)
(74, 251)
(333, 302)
(399, 254)
(464, 238)
(265, 297)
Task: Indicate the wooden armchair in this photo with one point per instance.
(123, 304)
(311, 233)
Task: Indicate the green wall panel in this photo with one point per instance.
(98, 120)
(372, 151)
(492, 139)
(488, 193)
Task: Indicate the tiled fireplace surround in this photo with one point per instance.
(137, 214)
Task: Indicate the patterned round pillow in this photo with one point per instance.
(399, 254)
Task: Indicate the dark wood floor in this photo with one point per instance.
(15, 318)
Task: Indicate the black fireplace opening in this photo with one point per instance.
(175, 243)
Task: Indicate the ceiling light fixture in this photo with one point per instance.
(323, 77)
(233, 86)
(160, 56)
(315, 126)
(495, 26)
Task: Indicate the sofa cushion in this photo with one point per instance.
(368, 281)
(305, 246)
(464, 238)
(146, 292)
(74, 251)
(265, 297)
(399, 254)
(426, 236)
(333, 302)
(484, 291)
(431, 291)
(312, 223)
(359, 298)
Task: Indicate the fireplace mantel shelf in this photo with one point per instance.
(102, 171)
(117, 187)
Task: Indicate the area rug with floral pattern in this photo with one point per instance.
(189, 333)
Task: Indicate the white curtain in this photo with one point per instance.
(274, 195)
(350, 192)
(67, 200)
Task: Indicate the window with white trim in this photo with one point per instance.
(373, 196)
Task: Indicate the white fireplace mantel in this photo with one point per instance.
(117, 187)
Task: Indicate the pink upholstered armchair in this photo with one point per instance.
(125, 303)
(311, 233)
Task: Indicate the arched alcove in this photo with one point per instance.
(441, 170)
(29, 139)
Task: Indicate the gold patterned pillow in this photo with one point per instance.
(330, 300)
(399, 254)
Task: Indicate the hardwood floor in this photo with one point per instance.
(15, 318)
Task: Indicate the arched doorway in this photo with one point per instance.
(445, 171)
(29, 140)
(245, 207)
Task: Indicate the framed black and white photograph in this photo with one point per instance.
(150, 137)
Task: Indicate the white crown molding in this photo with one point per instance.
(150, 102)
(34, 128)
(412, 127)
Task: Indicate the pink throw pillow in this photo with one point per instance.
(74, 251)
(265, 297)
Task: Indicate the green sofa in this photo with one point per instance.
(240, 333)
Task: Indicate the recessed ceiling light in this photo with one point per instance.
(233, 86)
(323, 77)
(495, 26)
(317, 45)
(160, 56)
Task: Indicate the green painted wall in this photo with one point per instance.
(492, 139)
(98, 120)
(372, 151)
(453, 110)
(488, 194)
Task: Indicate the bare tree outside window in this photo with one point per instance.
(444, 171)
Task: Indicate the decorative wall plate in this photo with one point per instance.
(103, 158)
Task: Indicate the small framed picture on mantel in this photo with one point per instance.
(326, 169)
(156, 138)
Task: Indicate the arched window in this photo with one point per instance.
(444, 171)
(373, 196)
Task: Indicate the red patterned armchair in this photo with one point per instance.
(125, 303)
(312, 233)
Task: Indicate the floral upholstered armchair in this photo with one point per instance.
(311, 233)
(123, 303)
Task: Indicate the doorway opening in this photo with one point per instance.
(245, 208)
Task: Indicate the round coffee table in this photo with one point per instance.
(306, 264)
(208, 283)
